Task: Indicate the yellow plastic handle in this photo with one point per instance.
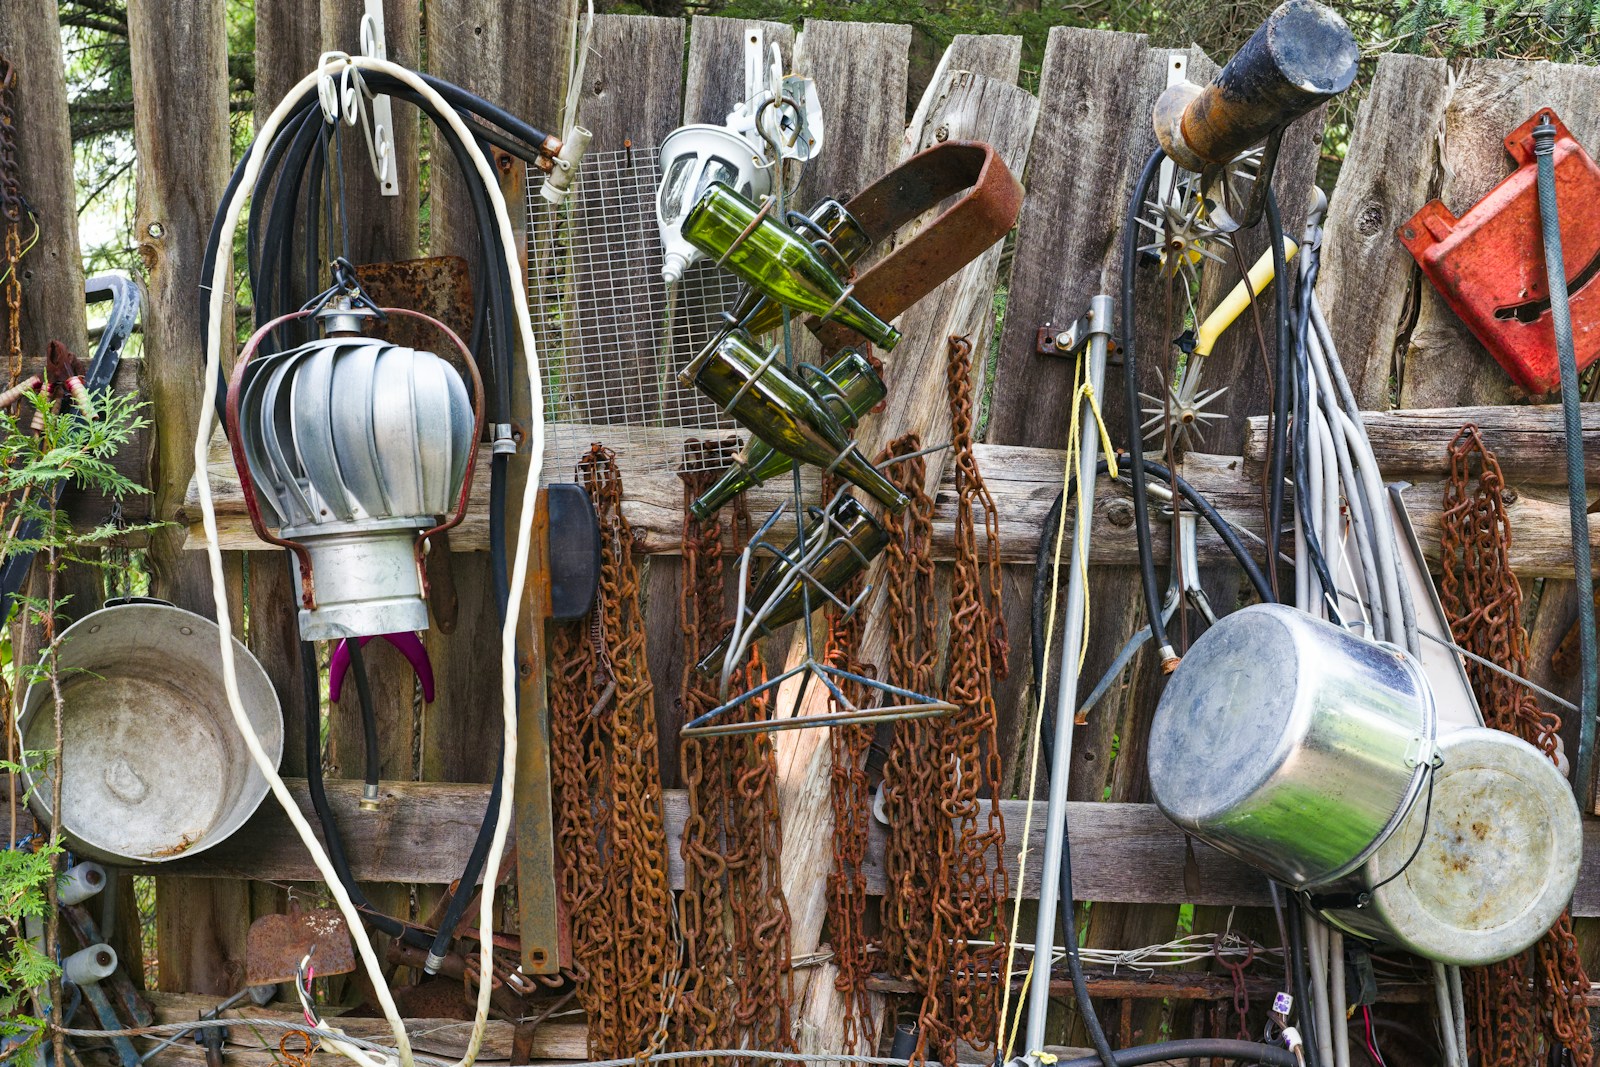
(1233, 305)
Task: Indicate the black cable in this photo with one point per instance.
(1577, 492)
(1280, 393)
(1302, 989)
(1044, 563)
(1130, 377)
(369, 714)
(498, 476)
(1192, 1048)
(312, 686)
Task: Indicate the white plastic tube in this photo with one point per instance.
(90, 965)
(82, 881)
(334, 64)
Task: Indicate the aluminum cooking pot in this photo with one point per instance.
(1501, 841)
(1291, 744)
(154, 765)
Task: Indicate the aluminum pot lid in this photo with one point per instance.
(1500, 860)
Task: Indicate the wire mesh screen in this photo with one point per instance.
(610, 337)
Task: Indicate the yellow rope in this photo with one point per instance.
(1083, 392)
(25, 248)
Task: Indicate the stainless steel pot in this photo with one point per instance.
(1501, 842)
(154, 767)
(1290, 743)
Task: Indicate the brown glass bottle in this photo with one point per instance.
(848, 554)
(847, 385)
(782, 411)
(779, 263)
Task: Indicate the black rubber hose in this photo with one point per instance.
(1044, 562)
(312, 686)
(1130, 377)
(498, 477)
(1302, 988)
(1278, 459)
(369, 713)
(1193, 1048)
(1577, 493)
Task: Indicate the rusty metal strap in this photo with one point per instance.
(955, 238)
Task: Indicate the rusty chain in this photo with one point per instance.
(919, 839)
(705, 1018)
(608, 778)
(11, 212)
(970, 901)
(738, 983)
(1483, 602)
(850, 796)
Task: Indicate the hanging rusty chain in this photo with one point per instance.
(919, 839)
(1241, 994)
(608, 778)
(738, 986)
(850, 796)
(11, 212)
(970, 901)
(1483, 602)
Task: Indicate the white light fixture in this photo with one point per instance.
(738, 154)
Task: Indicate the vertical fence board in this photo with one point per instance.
(1095, 88)
(182, 138)
(380, 229)
(514, 56)
(860, 70)
(959, 106)
(715, 77)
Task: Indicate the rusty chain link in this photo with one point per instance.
(970, 900)
(1483, 602)
(608, 778)
(850, 796)
(738, 983)
(11, 212)
(919, 838)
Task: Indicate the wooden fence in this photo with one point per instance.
(1425, 129)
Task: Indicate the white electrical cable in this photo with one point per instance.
(1336, 1003)
(333, 65)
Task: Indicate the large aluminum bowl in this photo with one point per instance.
(154, 767)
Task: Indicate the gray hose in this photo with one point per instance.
(1544, 146)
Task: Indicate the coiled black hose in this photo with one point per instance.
(294, 166)
(1191, 1049)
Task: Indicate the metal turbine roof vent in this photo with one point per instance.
(354, 449)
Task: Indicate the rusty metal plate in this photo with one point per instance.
(276, 944)
(440, 286)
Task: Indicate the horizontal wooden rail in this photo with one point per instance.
(424, 830)
(1024, 481)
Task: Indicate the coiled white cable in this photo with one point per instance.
(332, 65)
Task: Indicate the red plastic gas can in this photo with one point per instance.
(1489, 264)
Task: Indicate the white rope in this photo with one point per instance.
(333, 65)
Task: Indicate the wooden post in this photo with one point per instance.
(180, 130)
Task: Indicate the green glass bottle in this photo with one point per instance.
(783, 411)
(847, 385)
(779, 263)
(830, 222)
(846, 556)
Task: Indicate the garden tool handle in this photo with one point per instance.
(1232, 306)
(1302, 55)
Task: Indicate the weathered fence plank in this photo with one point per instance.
(425, 829)
(180, 131)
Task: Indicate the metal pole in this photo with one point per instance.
(1044, 938)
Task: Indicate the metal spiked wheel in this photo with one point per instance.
(1185, 225)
